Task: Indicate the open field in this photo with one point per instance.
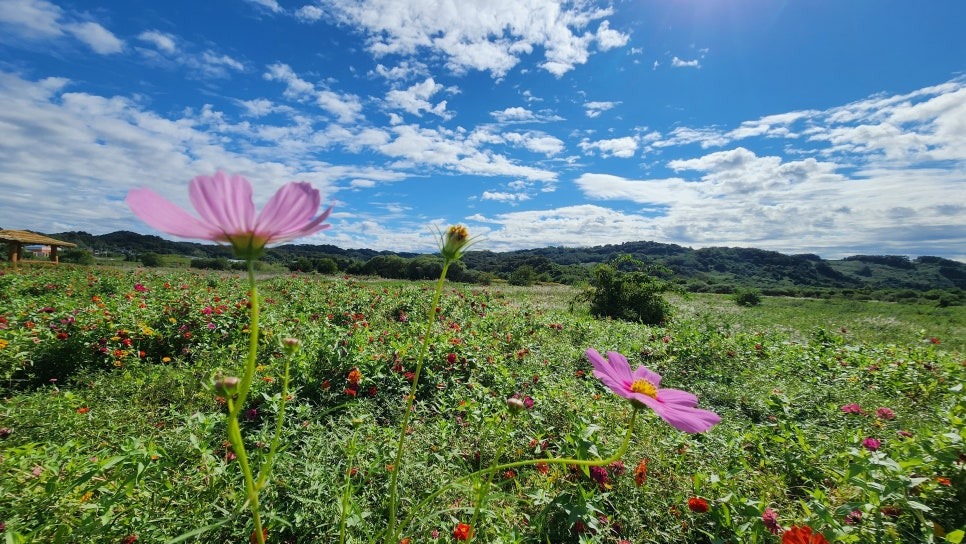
(841, 415)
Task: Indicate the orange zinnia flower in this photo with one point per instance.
(463, 531)
(355, 376)
(640, 473)
(802, 535)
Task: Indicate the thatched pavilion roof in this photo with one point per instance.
(27, 237)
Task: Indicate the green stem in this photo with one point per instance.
(348, 485)
(551, 461)
(396, 468)
(235, 406)
(485, 489)
(266, 468)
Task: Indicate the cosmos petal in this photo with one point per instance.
(163, 215)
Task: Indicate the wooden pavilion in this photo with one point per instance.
(16, 239)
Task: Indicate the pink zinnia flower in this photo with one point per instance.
(642, 387)
(852, 409)
(227, 214)
(871, 444)
(885, 413)
(770, 519)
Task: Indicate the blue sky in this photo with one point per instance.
(821, 126)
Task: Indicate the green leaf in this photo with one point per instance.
(956, 537)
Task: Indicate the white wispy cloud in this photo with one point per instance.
(346, 107)
(40, 20)
(96, 36)
(594, 109)
(160, 40)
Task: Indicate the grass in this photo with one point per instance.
(129, 438)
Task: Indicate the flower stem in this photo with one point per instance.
(485, 488)
(526, 462)
(236, 405)
(396, 468)
(266, 468)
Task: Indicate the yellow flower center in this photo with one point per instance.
(644, 387)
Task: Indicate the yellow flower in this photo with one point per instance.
(3, 343)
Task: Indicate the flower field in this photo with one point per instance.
(113, 425)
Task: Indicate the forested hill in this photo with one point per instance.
(701, 269)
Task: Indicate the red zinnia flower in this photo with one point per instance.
(802, 535)
(463, 531)
(698, 505)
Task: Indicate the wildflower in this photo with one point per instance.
(600, 475)
(140, 288)
(904, 434)
(254, 537)
(129, 539)
(542, 468)
(3, 343)
(227, 213)
(941, 480)
(83, 410)
(802, 535)
(871, 444)
(640, 473)
(770, 519)
(642, 387)
(454, 242)
(885, 413)
(226, 386)
(854, 517)
(5, 432)
(463, 531)
(698, 505)
(354, 376)
(852, 409)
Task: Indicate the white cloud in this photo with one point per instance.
(594, 109)
(309, 13)
(504, 197)
(30, 18)
(538, 142)
(681, 63)
(513, 115)
(162, 41)
(270, 5)
(415, 99)
(486, 35)
(346, 107)
(96, 36)
(624, 147)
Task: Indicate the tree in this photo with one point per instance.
(524, 275)
(78, 256)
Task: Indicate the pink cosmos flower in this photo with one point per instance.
(227, 214)
(642, 387)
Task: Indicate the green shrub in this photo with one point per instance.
(631, 295)
(152, 260)
(747, 297)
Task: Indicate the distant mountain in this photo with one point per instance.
(701, 269)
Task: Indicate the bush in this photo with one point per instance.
(78, 256)
(633, 295)
(152, 260)
(747, 297)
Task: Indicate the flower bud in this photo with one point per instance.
(454, 242)
(291, 345)
(227, 386)
(515, 405)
